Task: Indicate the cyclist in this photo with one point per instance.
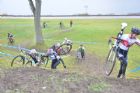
(10, 37)
(55, 58)
(34, 55)
(81, 52)
(55, 46)
(127, 40)
(67, 41)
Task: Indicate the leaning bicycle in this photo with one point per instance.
(112, 54)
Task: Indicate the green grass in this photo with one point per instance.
(98, 87)
(85, 30)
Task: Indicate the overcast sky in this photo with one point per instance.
(66, 7)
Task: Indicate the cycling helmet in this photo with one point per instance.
(135, 30)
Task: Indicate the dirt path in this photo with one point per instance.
(88, 78)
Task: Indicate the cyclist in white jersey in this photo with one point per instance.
(127, 40)
(55, 58)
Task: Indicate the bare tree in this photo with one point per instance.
(36, 9)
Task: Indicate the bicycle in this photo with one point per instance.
(22, 59)
(112, 55)
(65, 47)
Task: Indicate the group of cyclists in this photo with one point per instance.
(127, 40)
(54, 55)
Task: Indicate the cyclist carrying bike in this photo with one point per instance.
(55, 46)
(127, 40)
(34, 55)
(55, 58)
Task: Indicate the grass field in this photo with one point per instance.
(97, 31)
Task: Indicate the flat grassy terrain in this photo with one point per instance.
(93, 33)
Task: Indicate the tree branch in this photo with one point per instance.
(32, 6)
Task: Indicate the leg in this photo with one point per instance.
(120, 71)
(83, 55)
(122, 56)
(56, 63)
(123, 66)
(53, 64)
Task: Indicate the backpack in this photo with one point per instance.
(81, 50)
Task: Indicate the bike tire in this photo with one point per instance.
(28, 64)
(110, 61)
(18, 61)
(46, 62)
(63, 49)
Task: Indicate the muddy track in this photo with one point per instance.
(87, 78)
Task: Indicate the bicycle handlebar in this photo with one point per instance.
(119, 39)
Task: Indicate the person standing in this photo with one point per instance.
(71, 23)
(81, 52)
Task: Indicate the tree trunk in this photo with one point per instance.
(37, 12)
(39, 37)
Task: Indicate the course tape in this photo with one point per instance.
(14, 47)
(136, 69)
(79, 42)
(17, 48)
(5, 54)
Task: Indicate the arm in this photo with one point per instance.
(138, 42)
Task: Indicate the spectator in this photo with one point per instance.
(71, 23)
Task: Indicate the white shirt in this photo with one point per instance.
(127, 41)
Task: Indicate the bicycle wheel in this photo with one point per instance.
(64, 49)
(28, 64)
(46, 61)
(110, 61)
(18, 61)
